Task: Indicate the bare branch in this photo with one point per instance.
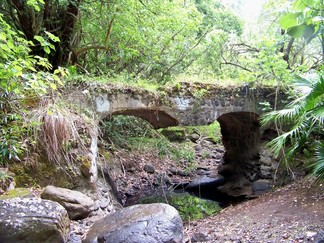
(109, 30)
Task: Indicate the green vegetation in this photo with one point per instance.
(211, 131)
(136, 134)
(5, 180)
(189, 207)
(17, 192)
(305, 116)
(23, 81)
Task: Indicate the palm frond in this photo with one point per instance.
(312, 86)
(295, 136)
(278, 144)
(303, 81)
(319, 160)
(305, 117)
(318, 114)
(284, 116)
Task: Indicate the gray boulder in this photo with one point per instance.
(32, 220)
(145, 223)
(77, 204)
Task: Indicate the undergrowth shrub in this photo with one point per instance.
(136, 134)
(5, 180)
(189, 207)
(24, 79)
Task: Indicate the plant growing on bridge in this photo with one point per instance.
(305, 117)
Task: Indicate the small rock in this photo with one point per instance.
(183, 173)
(200, 237)
(202, 172)
(193, 137)
(173, 170)
(217, 156)
(96, 205)
(266, 160)
(74, 238)
(220, 150)
(149, 168)
(104, 203)
(131, 169)
(265, 171)
(261, 186)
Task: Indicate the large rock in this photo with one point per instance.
(32, 220)
(77, 204)
(145, 223)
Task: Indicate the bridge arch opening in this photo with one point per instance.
(240, 134)
(241, 139)
(157, 118)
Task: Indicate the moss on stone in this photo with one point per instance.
(17, 192)
(43, 174)
(85, 165)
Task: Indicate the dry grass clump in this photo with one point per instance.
(61, 133)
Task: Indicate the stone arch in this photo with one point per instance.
(157, 118)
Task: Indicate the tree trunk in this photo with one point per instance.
(58, 19)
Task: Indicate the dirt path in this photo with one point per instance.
(294, 213)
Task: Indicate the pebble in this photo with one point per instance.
(149, 168)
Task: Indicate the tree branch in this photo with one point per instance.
(109, 29)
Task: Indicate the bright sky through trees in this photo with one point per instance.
(248, 9)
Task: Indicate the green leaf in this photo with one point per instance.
(289, 20)
(302, 30)
(52, 37)
(35, 4)
(11, 44)
(302, 4)
(51, 46)
(53, 86)
(309, 32)
(47, 49)
(39, 38)
(2, 36)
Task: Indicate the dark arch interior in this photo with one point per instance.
(241, 139)
(240, 134)
(158, 118)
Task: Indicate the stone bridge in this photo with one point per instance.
(185, 106)
(237, 109)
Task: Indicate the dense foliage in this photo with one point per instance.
(23, 81)
(305, 116)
